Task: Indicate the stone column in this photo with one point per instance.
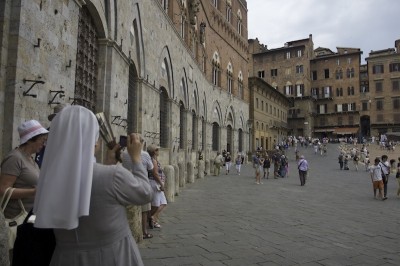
(170, 183)
(190, 172)
(134, 214)
(212, 166)
(200, 169)
(182, 179)
(176, 173)
(207, 168)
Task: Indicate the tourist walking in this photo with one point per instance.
(218, 160)
(385, 173)
(238, 163)
(228, 162)
(356, 159)
(302, 165)
(266, 165)
(398, 176)
(376, 178)
(257, 167)
(341, 161)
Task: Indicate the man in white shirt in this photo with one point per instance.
(385, 174)
(148, 164)
(376, 178)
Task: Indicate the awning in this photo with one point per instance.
(345, 130)
(319, 130)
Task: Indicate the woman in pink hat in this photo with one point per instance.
(19, 170)
(20, 173)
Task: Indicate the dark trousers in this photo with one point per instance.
(341, 165)
(303, 177)
(385, 182)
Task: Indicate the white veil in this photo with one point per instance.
(65, 181)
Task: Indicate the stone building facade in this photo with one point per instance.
(287, 70)
(174, 71)
(269, 116)
(335, 87)
(324, 86)
(381, 102)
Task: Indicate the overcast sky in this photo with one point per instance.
(365, 24)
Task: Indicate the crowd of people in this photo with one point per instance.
(83, 201)
(267, 164)
(379, 169)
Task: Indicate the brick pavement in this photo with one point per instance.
(229, 220)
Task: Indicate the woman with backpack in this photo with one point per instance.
(266, 165)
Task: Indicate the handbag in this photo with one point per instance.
(12, 223)
(33, 246)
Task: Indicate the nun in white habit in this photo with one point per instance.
(85, 201)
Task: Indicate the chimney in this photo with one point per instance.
(397, 45)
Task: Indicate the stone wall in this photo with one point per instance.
(136, 34)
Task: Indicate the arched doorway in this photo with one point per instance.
(229, 139)
(365, 124)
(215, 136)
(240, 140)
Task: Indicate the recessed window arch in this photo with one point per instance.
(216, 69)
(229, 77)
(228, 13)
(239, 22)
(215, 136)
(182, 126)
(240, 85)
(194, 130)
(164, 118)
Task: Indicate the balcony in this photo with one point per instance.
(322, 97)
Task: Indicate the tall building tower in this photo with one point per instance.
(335, 88)
(384, 90)
(287, 70)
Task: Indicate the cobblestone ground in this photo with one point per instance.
(230, 220)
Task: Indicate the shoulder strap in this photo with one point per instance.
(6, 198)
(382, 164)
(300, 164)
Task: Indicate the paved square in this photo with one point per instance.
(230, 220)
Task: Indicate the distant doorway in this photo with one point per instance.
(229, 139)
(365, 123)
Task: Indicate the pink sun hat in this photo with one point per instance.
(30, 129)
